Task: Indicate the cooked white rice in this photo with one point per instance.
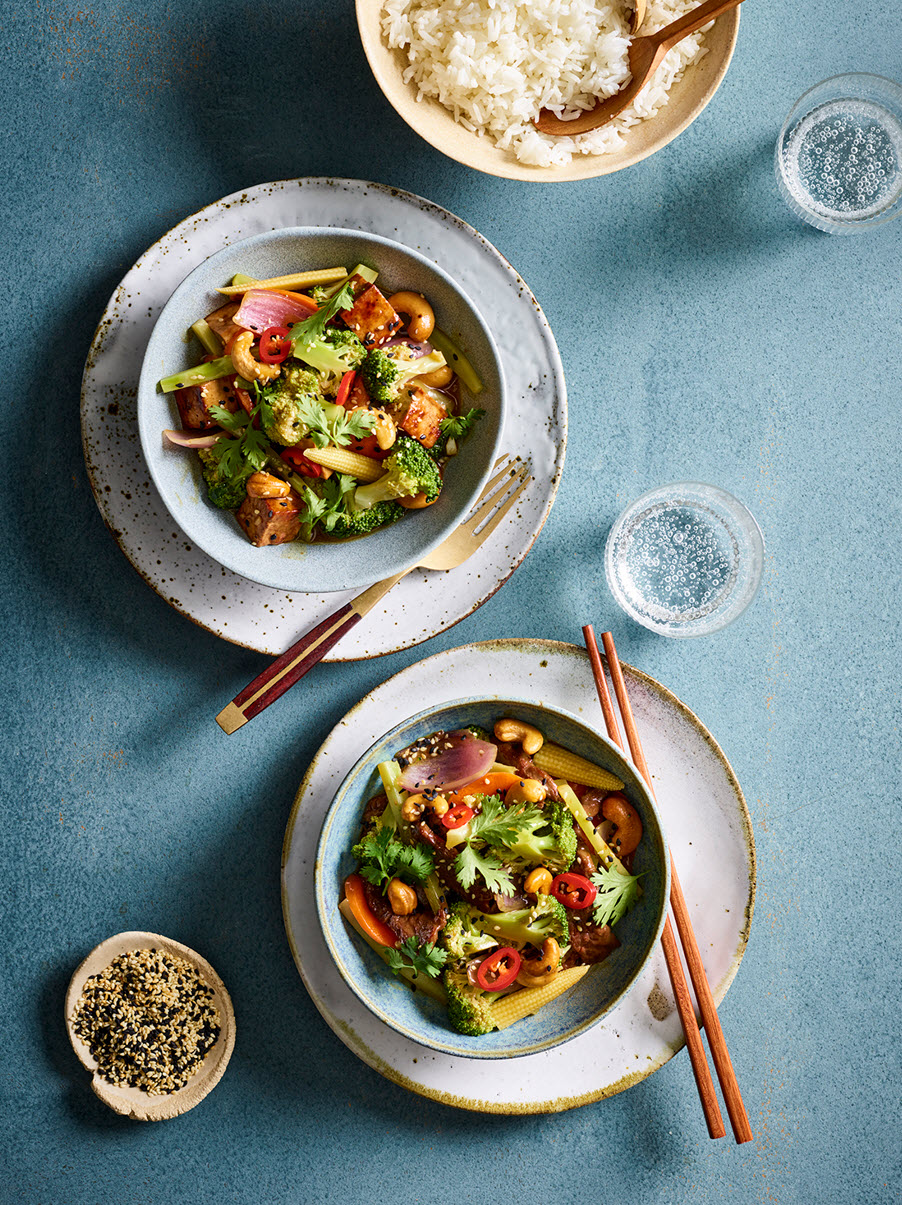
(495, 63)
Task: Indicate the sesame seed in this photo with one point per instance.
(149, 1020)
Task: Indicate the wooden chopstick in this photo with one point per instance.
(716, 1040)
(700, 1068)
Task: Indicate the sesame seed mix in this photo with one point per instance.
(149, 1021)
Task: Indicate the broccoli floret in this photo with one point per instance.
(337, 351)
(408, 471)
(385, 371)
(469, 1008)
(281, 420)
(226, 493)
(379, 372)
(550, 841)
(481, 734)
(362, 522)
(460, 937)
(546, 918)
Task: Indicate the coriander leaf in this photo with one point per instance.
(418, 957)
(231, 422)
(459, 426)
(312, 328)
(417, 862)
(247, 452)
(383, 858)
(351, 424)
(617, 893)
(470, 862)
(496, 824)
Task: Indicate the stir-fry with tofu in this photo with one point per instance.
(322, 409)
(492, 869)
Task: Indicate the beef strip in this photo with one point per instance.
(513, 755)
(478, 897)
(589, 943)
(592, 799)
(424, 925)
(586, 860)
(374, 809)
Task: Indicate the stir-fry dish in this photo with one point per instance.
(322, 414)
(492, 869)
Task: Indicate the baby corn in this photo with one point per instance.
(297, 280)
(521, 1004)
(561, 763)
(340, 460)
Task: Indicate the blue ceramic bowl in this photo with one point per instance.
(425, 1020)
(317, 568)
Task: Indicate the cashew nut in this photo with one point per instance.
(245, 364)
(628, 832)
(412, 808)
(538, 881)
(527, 790)
(539, 972)
(438, 806)
(418, 310)
(403, 899)
(437, 378)
(385, 430)
(516, 730)
(264, 485)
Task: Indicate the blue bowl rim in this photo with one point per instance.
(148, 380)
(322, 903)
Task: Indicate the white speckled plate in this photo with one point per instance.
(710, 834)
(231, 606)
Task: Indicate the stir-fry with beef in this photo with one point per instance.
(492, 870)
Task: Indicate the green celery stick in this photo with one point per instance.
(223, 367)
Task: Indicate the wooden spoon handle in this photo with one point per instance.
(681, 28)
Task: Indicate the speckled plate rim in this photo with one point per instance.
(431, 122)
(371, 1056)
(421, 220)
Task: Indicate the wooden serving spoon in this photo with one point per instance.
(637, 16)
(644, 57)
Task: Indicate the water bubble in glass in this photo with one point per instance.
(839, 154)
(684, 559)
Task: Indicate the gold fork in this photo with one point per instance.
(490, 508)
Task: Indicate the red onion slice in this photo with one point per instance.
(187, 439)
(511, 903)
(463, 758)
(261, 309)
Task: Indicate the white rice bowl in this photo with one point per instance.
(495, 63)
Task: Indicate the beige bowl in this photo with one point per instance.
(132, 1102)
(434, 123)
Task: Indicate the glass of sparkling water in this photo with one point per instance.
(684, 559)
(839, 154)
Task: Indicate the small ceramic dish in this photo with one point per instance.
(133, 1102)
(423, 1019)
(436, 124)
(176, 472)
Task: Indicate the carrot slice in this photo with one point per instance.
(490, 784)
(370, 923)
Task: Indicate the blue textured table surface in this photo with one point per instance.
(706, 334)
